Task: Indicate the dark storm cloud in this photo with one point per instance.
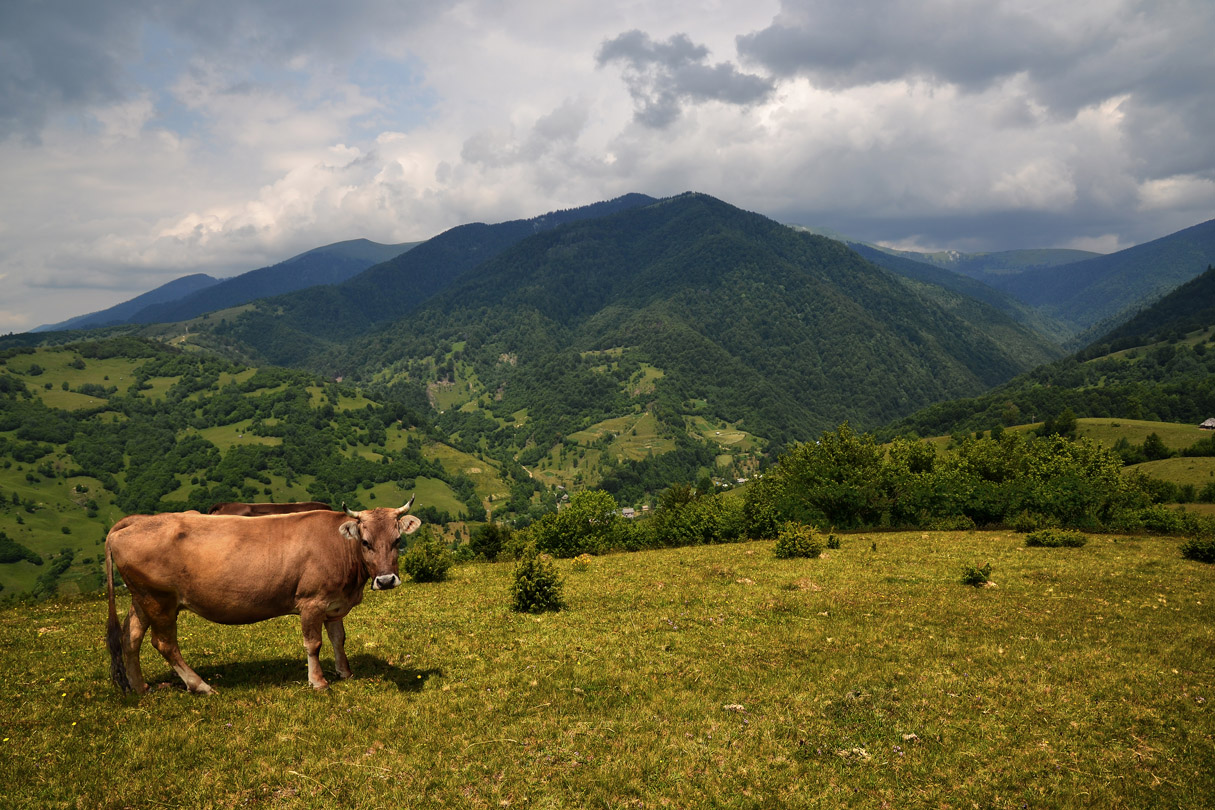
(662, 76)
(1084, 54)
(55, 55)
(58, 55)
(848, 44)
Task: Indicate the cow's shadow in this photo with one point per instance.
(293, 671)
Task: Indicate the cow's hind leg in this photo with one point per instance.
(311, 622)
(337, 637)
(163, 623)
(133, 630)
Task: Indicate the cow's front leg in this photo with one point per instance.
(337, 637)
(311, 622)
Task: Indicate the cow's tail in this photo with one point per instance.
(113, 633)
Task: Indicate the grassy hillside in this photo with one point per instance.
(702, 677)
(91, 432)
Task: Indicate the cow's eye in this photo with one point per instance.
(366, 545)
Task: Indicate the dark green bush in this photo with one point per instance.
(1056, 538)
(428, 558)
(833, 541)
(489, 539)
(1199, 549)
(537, 586)
(798, 540)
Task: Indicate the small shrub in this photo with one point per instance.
(582, 562)
(833, 541)
(976, 577)
(1199, 549)
(428, 559)
(798, 540)
(1056, 538)
(537, 586)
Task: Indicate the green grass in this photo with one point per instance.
(482, 473)
(1196, 471)
(1107, 432)
(723, 434)
(703, 677)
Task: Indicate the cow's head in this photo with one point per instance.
(378, 535)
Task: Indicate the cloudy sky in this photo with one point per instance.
(144, 139)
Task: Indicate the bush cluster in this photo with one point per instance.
(1199, 549)
(798, 540)
(1056, 538)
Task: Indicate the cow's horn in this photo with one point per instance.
(405, 509)
(348, 511)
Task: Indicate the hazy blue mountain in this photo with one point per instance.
(122, 313)
(194, 295)
(987, 266)
(330, 264)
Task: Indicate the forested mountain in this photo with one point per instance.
(746, 321)
(1107, 289)
(1186, 309)
(1160, 365)
(939, 274)
(292, 329)
(193, 295)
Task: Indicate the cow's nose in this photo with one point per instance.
(386, 582)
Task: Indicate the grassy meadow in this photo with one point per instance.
(700, 677)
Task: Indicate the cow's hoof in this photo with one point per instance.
(203, 689)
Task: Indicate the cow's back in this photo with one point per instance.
(230, 569)
(259, 509)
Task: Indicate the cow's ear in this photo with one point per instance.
(409, 524)
(350, 530)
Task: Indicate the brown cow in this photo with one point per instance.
(239, 570)
(258, 509)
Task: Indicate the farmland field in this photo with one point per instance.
(701, 677)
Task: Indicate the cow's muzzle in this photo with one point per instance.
(385, 582)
